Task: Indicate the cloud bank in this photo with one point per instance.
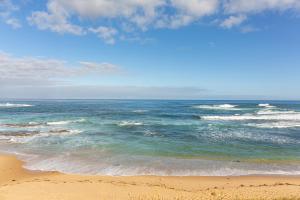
(43, 71)
(44, 78)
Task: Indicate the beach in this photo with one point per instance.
(18, 183)
(165, 150)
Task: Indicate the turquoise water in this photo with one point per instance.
(144, 137)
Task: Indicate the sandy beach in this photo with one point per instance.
(19, 183)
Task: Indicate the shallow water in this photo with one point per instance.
(139, 137)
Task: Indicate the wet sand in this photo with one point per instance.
(21, 184)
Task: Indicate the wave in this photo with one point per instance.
(40, 124)
(150, 133)
(130, 123)
(118, 166)
(140, 111)
(266, 105)
(276, 125)
(27, 136)
(272, 112)
(61, 132)
(23, 125)
(65, 122)
(11, 105)
(288, 117)
(217, 107)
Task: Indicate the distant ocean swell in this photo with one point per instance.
(185, 138)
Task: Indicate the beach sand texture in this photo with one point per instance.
(20, 184)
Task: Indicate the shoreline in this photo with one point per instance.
(17, 182)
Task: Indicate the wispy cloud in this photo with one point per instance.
(33, 70)
(7, 8)
(233, 21)
(56, 20)
(256, 6)
(249, 29)
(106, 33)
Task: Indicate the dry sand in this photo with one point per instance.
(20, 184)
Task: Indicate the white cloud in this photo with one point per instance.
(196, 8)
(115, 18)
(13, 22)
(233, 21)
(7, 8)
(187, 12)
(255, 6)
(141, 14)
(56, 20)
(106, 33)
(31, 70)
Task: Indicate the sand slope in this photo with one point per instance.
(17, 183)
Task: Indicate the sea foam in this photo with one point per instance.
(217, 107)
(263, 114)
(130, 123)
(266, 105)
(11, 105)
(290, 117)
(65, 122)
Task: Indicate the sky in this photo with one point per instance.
(150, 49)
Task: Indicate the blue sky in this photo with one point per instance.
(197, 49)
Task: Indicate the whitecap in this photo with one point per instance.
(275, 112)
(65, 122)
(218, 107)
(150, 133)
(11, 105)
(25, 137)
(60, 132)
(286, 117)
(281, 124)
(266, 105)
(140, 111)
(130, 123)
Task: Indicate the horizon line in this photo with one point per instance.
(148, 99)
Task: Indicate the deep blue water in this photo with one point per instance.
(135, 137)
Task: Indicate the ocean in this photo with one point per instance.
(153, 137)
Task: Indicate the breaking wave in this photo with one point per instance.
(140, 111)
(130, 123)
(267, 118)
(289, 117)
(11, 105)
(65, 122)
(217, 107)
(266, 105)
(281, 124)
(27, 136)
